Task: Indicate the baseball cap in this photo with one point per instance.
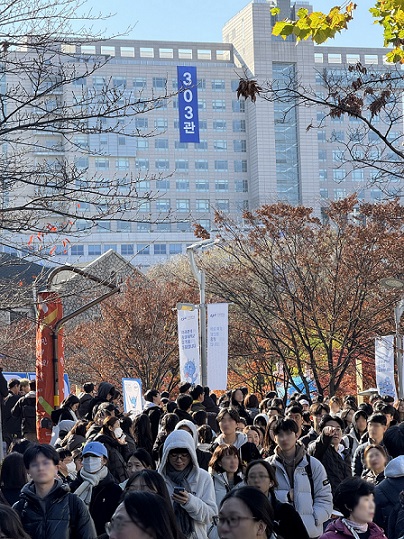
(95, 448)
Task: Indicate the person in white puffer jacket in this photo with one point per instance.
(195, 506)
(302, 480)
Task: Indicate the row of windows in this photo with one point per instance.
(239, 126)
(126, 249)
(157, 83)
(218, 145)
(337, 58)
(338, 194)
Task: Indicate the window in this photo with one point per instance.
(163, 227)
(161, 123)
(146, 52)
(144, 207)
(219, 125)
(59, 251)
(175, 248)
(234, 85)
(321, 136)
(201, 164)
(182, 185)
(238, 126)
(142, 164)
(240, 145)
(185, 226)
(143, 185)
(122, 163)
(353, 58)
(322, 174)
(163, 185)
(221, 166)
(221, 185)
(324, 193)
(203, 125)
(339, 175)
(218, 85)
(123, 226)
(185, 54)
(219, 104)
(202, 185)
(127, 52)
(357, 175)
(81, 162)
(180, 145)
(201, 145)
(240, 166)
(202, 104)
(127, 249)
(141, 123)
(162, 164)
(161, 144)
(201, 84)
(371, 59)
(337, 156)
(119, 82)
(322, 155)
(223, 205)
(204, 54)
(339, 194)
(143, 226)
(94, 250)
(142, 144)
(334, 58)
(238, 106)
(101, 163)
(202, 204)
(143, 248)
(183, 205)
(109, 247)
(318, 58)
(163, 205)
(160, 249)
(77, 250)
(166, 53)
(139, 83)
(241, 186)
(220, 145)
(181, 164)
(103, 226)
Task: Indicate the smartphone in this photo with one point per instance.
(179, 490)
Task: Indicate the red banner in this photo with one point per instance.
(50, 311)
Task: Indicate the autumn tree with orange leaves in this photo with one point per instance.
(311, 291)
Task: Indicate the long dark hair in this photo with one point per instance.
(153, 481)
(257, 503)
(10, 524)
(144, 507)
(13, 473)
(143, 434)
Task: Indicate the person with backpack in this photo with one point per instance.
(47, 510)
(25, 409)
(153, 410)
(85, 398)
(302, 479)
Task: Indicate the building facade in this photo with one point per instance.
(249, 153)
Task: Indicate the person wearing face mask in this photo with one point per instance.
(96, 486)
(112, 436)
(67, 468)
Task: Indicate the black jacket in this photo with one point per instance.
(25, 409)
(288, 523)
(84, 405)
(11, 424)
(104, 500)
(117, 455)
(154, 413)
(60, 515)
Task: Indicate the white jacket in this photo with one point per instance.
(201, 505)
(313, 512)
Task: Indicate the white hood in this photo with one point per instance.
(179, 439)
(191, 426)
(395, 468)
(241, 439)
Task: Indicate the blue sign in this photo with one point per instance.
(31, 376)
(132, 395)
(188, 104)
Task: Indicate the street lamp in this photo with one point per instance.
(394, 283)
(199, 275)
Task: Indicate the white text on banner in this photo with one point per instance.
(188, 340)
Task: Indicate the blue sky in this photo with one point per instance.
(202, 20)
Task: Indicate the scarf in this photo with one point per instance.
(185, 522)
(85, 490)
(354, 527)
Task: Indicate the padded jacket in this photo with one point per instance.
(60, 515)
(338, 530)
(117, 454)
(314, 512)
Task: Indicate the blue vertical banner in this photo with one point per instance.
(188, 104)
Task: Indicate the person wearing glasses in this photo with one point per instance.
(190, 487)
(330, 450)
(245, 513)
(288, 524)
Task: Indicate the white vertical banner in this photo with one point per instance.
(384, 364)
(132, 395)
(217, 345)
(188, 341)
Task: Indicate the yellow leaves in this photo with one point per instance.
(317, 25)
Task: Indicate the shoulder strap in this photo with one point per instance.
(310, 476)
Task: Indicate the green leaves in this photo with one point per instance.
(390, 15)
(317, 25)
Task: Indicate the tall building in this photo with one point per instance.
(248, 154)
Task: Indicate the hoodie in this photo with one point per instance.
(241, 439)
(201, 505)
(202, 456)
(388, 491)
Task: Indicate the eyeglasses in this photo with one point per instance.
(116, 525)
(176, 456)
(232, 521)
(259, 477)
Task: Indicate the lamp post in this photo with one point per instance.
(199, 275)
(394, 283)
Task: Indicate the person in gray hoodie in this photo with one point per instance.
(202, 456)
(190, 488)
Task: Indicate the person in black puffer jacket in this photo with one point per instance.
(330, 451)
(46, 509)
(113, 438)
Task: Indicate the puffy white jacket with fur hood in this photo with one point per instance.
(201, 505)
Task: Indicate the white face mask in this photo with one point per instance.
(71, 468)
(92, 464)
(118, 432)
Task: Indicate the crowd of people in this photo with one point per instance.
(199, 466)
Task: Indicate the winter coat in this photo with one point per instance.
(26, 411)
(221, 484)
(288, 522)
(183, 415)
(154, 412)
(84, 405)
(117, 454)
(74, 441)
(337, 466)
(370, 477)
(201, 505)
(60, 515)
(352, 440)
(202, 456)
(338, 530)
(313, 512)
(103, 391)
(311, 436)
(388, 491)
(105, 499)
(11, 424)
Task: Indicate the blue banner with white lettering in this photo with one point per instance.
(188, 104)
